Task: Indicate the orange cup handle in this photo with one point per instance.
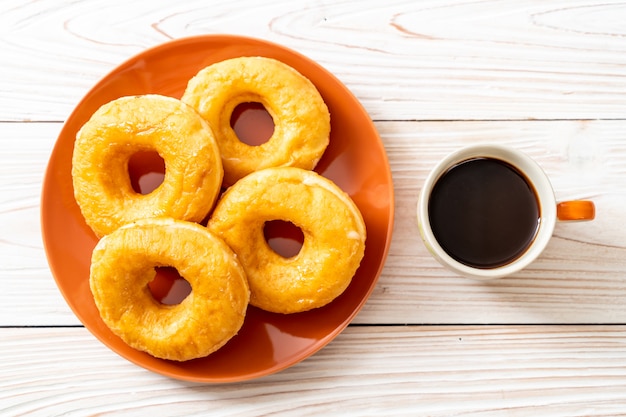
(576, 210)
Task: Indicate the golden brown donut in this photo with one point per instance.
(128, 125)
(123, 263)
(301, 118)
(333, 229)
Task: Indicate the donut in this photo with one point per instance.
(301, 118)
(332, 226)
(123, 263)
(129, 125)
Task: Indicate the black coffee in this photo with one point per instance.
(483, 212)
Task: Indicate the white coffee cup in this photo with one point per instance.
(548, 209)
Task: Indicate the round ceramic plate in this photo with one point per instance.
(355, 160)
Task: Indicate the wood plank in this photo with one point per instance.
(28, 293)
(580, 278)
(435, 371)
(405, 60)
(546, 77)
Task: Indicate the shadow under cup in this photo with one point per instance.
(486, 211)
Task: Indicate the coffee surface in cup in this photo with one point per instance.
(483, 212)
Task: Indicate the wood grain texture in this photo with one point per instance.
(456, 60)
(578, 279)
(580, 276)
(546, 77)
(29, 295)
(434, 371)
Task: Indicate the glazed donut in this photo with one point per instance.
(126, 126)
(301, 118)
(333, 229)
(123, 263)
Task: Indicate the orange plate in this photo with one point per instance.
(355, 160)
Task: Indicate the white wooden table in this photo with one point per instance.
(548, 77)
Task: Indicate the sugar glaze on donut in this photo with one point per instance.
(128, 125)
(333, 229)
(301, 118)
(123, 264)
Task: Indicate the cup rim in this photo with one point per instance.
(533, 173)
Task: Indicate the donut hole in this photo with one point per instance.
(285, 238)
(168, 287)
(146, 170)
(252, 123)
